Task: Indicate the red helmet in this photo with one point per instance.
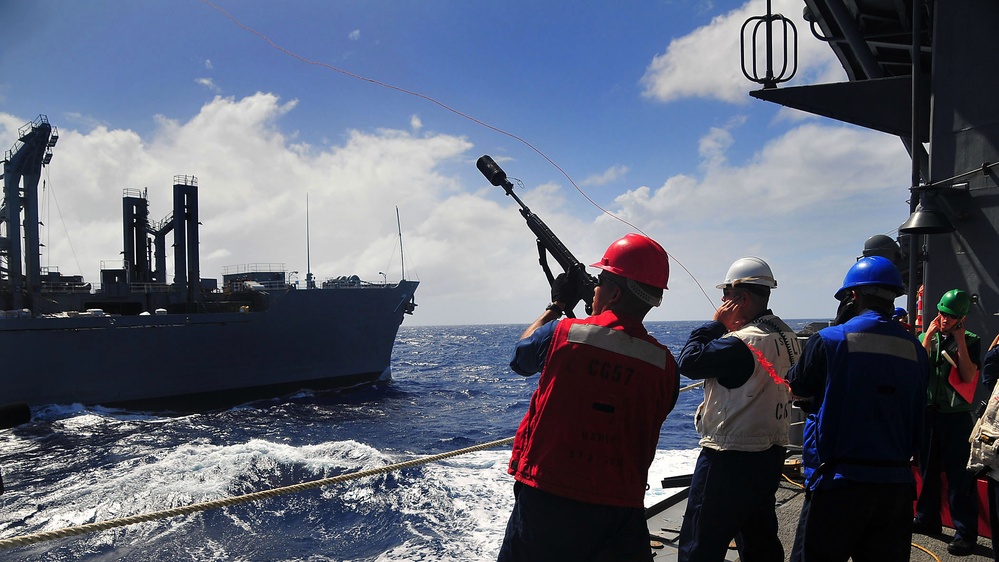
(639, 258)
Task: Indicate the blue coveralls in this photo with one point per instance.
(867, 382)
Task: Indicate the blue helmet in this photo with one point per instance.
(899, 313)
(872, 272)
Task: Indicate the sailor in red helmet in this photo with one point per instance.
(582, 453)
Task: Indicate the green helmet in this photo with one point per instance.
(955, 302)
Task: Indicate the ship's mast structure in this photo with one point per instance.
(402, 254)
(20, 271)
(139, 233)
(310, 281)
(22, 282)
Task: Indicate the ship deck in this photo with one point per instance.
(664, 530)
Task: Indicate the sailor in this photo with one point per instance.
(582, 453)
(954, 354)
(984, 459)
(884, 246)
(862, 382)
(742, 356)
(901, 316)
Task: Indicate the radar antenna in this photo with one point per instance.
(789, 31)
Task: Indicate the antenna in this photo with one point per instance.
(402, 255)
(309, 283)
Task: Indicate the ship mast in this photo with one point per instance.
(309, 283)
(402, 255)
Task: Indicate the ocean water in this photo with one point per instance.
(452, 388)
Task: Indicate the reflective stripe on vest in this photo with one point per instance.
(880, 344)
(616, 341)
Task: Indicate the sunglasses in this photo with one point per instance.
(603, 281)
(951, 316)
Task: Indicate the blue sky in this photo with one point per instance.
(642, 104)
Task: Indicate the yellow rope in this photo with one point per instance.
(224, 502)
(697, 384)
(788, 478)
(25, 540)
(927, 551)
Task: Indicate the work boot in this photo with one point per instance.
(961, 546)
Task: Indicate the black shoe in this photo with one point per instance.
(925, 528)
(961, 546)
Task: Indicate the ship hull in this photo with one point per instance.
(305, 339)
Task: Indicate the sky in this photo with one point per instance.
(320, 130)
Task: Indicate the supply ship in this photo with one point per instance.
(921, 71)
(143, 338)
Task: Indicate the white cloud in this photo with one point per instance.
(253, 187)
(795, 203)
(706, 63)
(712, 146)
(610, 175)
(354, 35)
(210, 84)
(470, 248)
(81, 120)
(805, 168)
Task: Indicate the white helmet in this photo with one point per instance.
(749, 270)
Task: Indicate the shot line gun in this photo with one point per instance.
(548, 243)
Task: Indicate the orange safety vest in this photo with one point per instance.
(593, 425)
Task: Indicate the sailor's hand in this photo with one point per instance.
(730, 314)
(934, 327)
(565, 289)
(805, 404)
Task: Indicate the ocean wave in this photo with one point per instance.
(453, 388)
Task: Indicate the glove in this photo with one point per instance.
(566, 288)
(586, 291)
(845, 311)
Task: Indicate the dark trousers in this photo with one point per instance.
(994, 515)
(733, 495)
(868, 522)
(945, 449)
(544, 527)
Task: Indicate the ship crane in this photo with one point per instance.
(20, 275)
